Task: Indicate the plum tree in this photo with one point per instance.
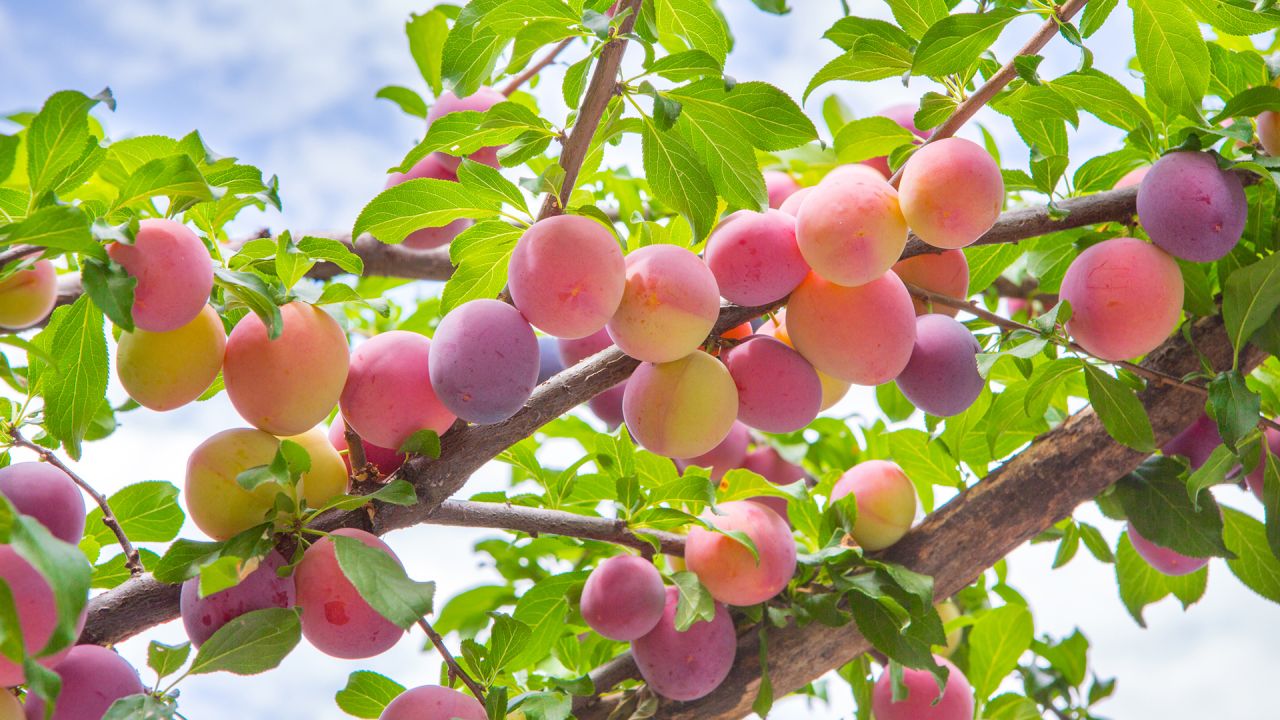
(686, 665)
(725, 456)
(623, 598)
(92, 678)
(166, 370)
(173, 270)
(923, 700)
(288, 385)
(851, 231)
(479, 101)
(754, 257)
(1195, 443)
(886, 502)
(47, 494)
(1191, 208)
(779, 186)
(951, 192)
(484, 361)
(216, 503)
(385, 460)
(567, 275)
(670, 304)
(682, 408)
(432, 702)
(388, 395)
(259, 589)
(863, 335)
(945, 273)
(731, 572)
(778, 390)
(1169, 562)
(28, 295)
(335, 618)
(1126, 298)
(904, 115)
(941, 378)
(37, 614)
(435, 166)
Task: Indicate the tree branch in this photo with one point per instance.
(1043, 484)
(131, 559)
(535, 68)
(539, 521)
(455, 670)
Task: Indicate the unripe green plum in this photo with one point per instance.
(942, 376)
(93, 678)
(851, 231)
(727, 567)
(288, 385)
(28, 296)
(167, 370)
(1126, 298)
(1191, 208)
(335, 618)
(479, 101)
(754, 257)
(886, 502)
(567, 275)
(780, 186)
(951, 192)
(862, 335)
(432, 702)
(388, 396)
(433, 166)
(47, 494)
(724, 457)
(904, 115)
(922, 701)
(778, 390)
(385, 460)
(945, 273)
(1166, 561)
(670, 304)
(623, 598)
(686, 665)
(948, 611)
(173, 270)
(216, 503)
(682, 408)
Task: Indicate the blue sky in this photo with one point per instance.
(288, 85)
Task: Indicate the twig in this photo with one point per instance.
(537, 521)
(455, 670)
(535, 68)
(17, 252)
(1005, 75)
(355, 453)
(132, 561)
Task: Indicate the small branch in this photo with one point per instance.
(997, 82)
(535, 68)
(17, 252)
(360, 471)
(538, 521)
(455, 670)
(131, 559)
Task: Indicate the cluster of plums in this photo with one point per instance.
(92, 677)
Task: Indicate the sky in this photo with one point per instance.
(289, 86)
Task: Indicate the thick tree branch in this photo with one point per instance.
(1063, 468)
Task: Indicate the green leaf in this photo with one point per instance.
(765, 115)
(396, 492)
(367, 694)
(480, 255)
(469, 54)
(147, 511)
(544, 609)
(1172, 53)
(140, 707)
(1251, 102)
(113, 572)
(678, 178)
(167, 659)
(409, 102)
(334, 251)
(1236, 17)
(291, 263)
(996, 642)
(484, 180)
(175, 177)
(692, 25)
(1095, 14)
(73, 386)
(8, 155)
(1104, 97)
(1254, 564)
(181, 561)
(250, 644)
(683, 66)
(1250, 297)
(509, 17)
(59, 138)
(256, 294)
(987, 262)
(427, 33)
(848, 30)
(506, 640)
(870, 137)
(420, 203)
(954, 43)
(727, 154)
(111, 288)
(1155, 500)
(60, 227)
(872, 58)
(62, 565)
(1119, 409)
(1011, 707)
(1233, 406)
(694, 604)
(917, 16)
(1140, 584)
(1213, 472)
(382, 582)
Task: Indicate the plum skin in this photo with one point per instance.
(28, 296)
(755, 258)
(567, 275)
(851, 231)
(686, 665)
(725, 456)
(886, 502)
(484, 361)
(47, 494)
(173, 270)
(944, 273)
(167, 370)
(670, 304)
(951, 192)
(779, 186)
(727, 567)
(432, 702)
(1191, 208)
(778, 390)
(93, 678)
(388, 394)
(922, 690)
(623, 598)
(1164, 560)
(336, 620)
(262, 588)
(683, 408)
(385, 460)
(942, 376)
